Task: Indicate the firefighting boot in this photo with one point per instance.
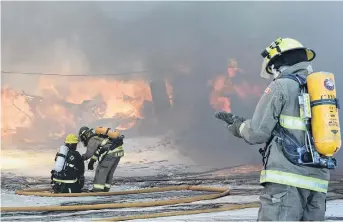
(106, 189)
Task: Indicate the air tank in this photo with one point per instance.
(113, 134)
(324, 107)
(61, 158)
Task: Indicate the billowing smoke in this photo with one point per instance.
(166, 38)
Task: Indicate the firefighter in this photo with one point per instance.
(105, 150)
(68, 173)
(292, 192)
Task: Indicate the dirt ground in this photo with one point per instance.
(245, 186)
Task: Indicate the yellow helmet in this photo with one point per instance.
(279, 47)
(71, 139)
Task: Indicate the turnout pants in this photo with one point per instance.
(60, 187)
(287, 203)
(104, 173)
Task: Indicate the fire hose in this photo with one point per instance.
(44, 193)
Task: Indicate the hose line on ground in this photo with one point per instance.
(180, 213)
(45, 192)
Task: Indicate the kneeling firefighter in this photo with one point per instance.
(68, 173)
(297, 118)
(105, 146)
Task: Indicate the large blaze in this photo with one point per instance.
(224, 86)
(67, 102)
(122, 98)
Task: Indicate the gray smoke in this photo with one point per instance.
(114, 37)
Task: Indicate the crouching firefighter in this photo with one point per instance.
(68, 173)
(297, 118)
(104, 146)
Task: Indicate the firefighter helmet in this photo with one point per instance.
(71, 139)
(84, 133)
(279, 49)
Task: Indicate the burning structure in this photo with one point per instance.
(53, 115)
(63, 108)
(188, 51)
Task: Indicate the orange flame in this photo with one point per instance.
(15, 111)
(217, 100)
(67, 103)
(121, 97)
(222, 88)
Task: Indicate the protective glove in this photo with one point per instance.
(234, 127)
(229, 118)
(234, 122)
(224, 116)
(91, 164)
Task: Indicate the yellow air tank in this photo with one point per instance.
(113, 134)
(325, 120)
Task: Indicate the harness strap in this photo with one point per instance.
(100, 153)
(265, 151)
(296, 77)
(61, 155)
(325, 102)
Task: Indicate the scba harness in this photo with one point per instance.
(307, 154)
(109, 146)
(67, 166)
(68, 179)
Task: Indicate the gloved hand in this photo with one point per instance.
(229, 118)
(234, 122)
(91, 164)
(225, 116)
(234, 127)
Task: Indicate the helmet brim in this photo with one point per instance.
(310, 54)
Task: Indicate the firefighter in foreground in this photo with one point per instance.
(104, 146)
(297, 119)
(68, 173)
